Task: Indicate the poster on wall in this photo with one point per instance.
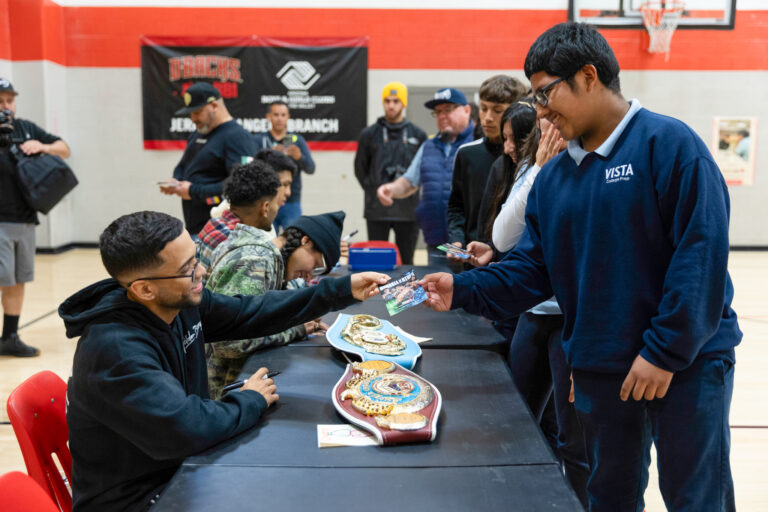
(734, 148)
(324, 81)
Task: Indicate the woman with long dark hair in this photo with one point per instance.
(517, 121)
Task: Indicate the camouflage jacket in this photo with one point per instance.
(248, 263)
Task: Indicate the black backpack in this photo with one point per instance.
(394, 156)
(44, 179)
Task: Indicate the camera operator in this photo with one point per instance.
(17, 218)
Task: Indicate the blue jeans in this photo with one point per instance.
(287, 213)
(689, 427)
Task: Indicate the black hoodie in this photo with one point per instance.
(470, 175)
(138, 396)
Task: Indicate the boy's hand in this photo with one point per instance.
(366, 284)
(439, 288)
(645, 380)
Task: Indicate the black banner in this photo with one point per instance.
(324, 82)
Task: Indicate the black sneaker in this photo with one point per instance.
(13, 346)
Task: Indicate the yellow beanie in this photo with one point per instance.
(395, 89)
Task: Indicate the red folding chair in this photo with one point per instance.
(378, 244)
(36, 411)
(20, 493)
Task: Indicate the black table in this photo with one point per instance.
(488, 451)
(210, 488)
(452, 329)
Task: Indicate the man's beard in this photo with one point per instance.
(187, 301)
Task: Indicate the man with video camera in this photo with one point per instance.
(17, 218)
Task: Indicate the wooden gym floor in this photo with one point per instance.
(58, 276)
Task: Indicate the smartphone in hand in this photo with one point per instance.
(456, 251)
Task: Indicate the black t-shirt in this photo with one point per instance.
(206, 163)
(13, 207)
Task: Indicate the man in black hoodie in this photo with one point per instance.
(384, 151)
(138, 399)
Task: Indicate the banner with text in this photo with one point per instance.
(324, 81)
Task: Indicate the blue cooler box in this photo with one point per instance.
(369, 258)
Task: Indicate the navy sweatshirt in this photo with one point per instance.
(137, 401)
(306, 164)
(634, 246)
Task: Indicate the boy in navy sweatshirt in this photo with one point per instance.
(629, 230)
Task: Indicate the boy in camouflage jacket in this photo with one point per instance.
(249, 262)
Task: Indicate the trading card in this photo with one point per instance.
(402, 293)
(457, 251)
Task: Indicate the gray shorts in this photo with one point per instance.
(17, 253)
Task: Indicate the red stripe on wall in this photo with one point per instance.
(402, 39)
(320, 145)
(313, 145)
(5, 31)
(346, 42)
(165, 144)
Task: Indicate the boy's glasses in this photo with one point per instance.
(542, 95)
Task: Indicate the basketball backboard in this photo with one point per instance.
(626, 13)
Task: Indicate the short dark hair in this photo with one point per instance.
(277, 160)
(134, 241)
(251, 182)
(502, 89)
(278, 102)
(567, 47)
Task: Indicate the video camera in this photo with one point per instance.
(6, 129)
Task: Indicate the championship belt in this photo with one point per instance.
(393, 403)
(371, 338)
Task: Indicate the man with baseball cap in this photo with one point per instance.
(432, 169)
(384, 151)
(17, 218)
(218, 144)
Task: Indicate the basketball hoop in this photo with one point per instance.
(660, 19)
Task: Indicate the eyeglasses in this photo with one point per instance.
(318, 271)
(445, 111)
(541, 95)
(191, 274)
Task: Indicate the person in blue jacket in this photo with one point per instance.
(138, 400)
(292, 144)
(628, 229)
